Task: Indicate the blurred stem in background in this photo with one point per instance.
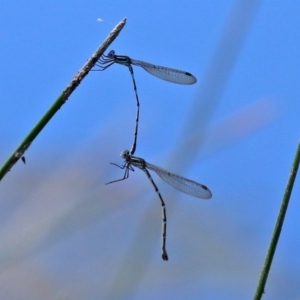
(19, 152)
(278, 226)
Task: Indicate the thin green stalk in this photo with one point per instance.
(60, 100)
(280, 219)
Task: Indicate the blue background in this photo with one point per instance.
(66, 235)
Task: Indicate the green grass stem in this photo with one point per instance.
(278, 226)
(19, 152)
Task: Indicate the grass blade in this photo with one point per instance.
(19, 152)
(278, 226)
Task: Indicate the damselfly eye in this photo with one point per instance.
(125, 154)
(111, 54)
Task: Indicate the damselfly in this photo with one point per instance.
(182, 184)
(168, 74)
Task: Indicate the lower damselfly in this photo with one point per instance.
(180, 183)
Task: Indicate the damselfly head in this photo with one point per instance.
(125, 154)
(111, 54)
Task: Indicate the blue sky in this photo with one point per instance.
(67, 235)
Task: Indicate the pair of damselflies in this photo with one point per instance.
(182, 184)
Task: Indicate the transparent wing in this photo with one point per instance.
(182, 184)
(168, 74)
